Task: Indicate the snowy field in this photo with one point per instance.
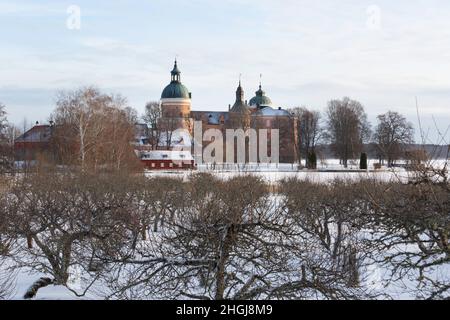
(275, 177)
(327, 171)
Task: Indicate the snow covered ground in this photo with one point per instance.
(404, 289)
(327, 171)
(275, 177)
(24, 279)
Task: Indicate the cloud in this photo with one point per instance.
(17, 8)
(308, 51)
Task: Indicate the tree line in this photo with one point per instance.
(94, 130)
(89, 130)
(347, 130)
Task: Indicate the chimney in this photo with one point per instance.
(229, 107)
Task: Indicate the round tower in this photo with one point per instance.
(176, 100)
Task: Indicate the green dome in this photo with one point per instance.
(260, 99)
(175, 90)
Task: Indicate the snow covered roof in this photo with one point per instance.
(269, 111)
(213, 117)
(166, 155)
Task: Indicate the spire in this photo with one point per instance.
(239, 92)
(175, 72)
(260, 91)
(260, 100)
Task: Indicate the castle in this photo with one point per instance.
(258, 113)
(176, 113)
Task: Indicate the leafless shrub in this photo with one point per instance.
(236, 240)
(221, 243)
(7, 277)
(411, 227)
(328, 218)
(63, 220)
(225, 239)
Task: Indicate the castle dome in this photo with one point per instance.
(175, 90)
(260, 100)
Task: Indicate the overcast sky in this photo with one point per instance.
(382, 53)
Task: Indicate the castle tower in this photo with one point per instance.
(239, 115)
(176, 102)
(240, 106)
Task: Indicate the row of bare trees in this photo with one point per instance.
(130, 237)
(347, 130)
(94, 130)
(89, 129)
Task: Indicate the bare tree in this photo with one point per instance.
(411, 229)
(161, 127)
(7, 276)
(6, 147)
(329, 247)
(152, 118)
(131, 115)
(392, 133)
(228, 240)
(66, 220)
(201, 251)
(3, 119)
(94, 130)
(309, 131)
(168, 126)
(347, 128)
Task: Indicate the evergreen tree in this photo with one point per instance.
(363, 161)
(312, 161)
